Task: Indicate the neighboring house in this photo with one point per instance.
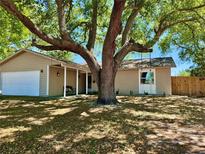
(31, 73)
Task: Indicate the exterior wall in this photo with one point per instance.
(93, 85)
(163, 78)
(128, 81)
(82, 80)
(71, 80)
(125, 81)
(29, 62)
(56, 83)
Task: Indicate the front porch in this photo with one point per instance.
(60, 78)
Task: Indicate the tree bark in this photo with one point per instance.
(129, 24)
(106, 89)
(62, 19)
(107, 76)
(93, 26)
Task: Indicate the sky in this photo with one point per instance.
(173, 52)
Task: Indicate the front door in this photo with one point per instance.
(147, 81)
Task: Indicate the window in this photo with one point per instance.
(147, 77)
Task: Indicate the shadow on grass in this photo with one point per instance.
(75, 124)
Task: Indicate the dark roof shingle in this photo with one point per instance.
(146, 63)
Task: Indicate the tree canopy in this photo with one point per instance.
(14, 35)
(180, 22)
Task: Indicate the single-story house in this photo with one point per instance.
(29, 73)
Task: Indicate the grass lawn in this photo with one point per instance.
(75, 125)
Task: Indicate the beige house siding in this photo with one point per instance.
(56, 83)
(125, 81)
(128, 81)
(82, 80)
(93, 85)
(29, 62)
(163, 78)
(71, 78)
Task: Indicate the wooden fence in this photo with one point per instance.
(190, 86)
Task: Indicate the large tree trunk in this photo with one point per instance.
(106, 85)
(106, 89)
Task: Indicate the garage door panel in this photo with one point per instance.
(21, 83)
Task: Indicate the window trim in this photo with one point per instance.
(142, 87)
(144, 78)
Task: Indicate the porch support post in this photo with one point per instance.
(76, 82)
(47, 81)
(86, 83)
(65, 80)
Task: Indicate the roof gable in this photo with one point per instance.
(63, 62)
(20, 52)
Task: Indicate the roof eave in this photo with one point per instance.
(74, 66)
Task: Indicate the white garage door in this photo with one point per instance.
(21, 83)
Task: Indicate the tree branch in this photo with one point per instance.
(114, 27)
(129, 23)
(127, 48)
(163, 27)
(78, 25)
(109, 45)
(192, 8)
(44, 47)
(180, 21)
(62, 19)
(86, 55)
(181, 10)
(74, 48)
(93, 26)
(70, 5)
(11, 8)
(56, 44)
